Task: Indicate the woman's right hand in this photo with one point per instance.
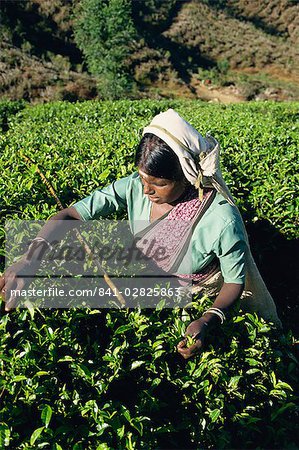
(196, 329)
(16, 277)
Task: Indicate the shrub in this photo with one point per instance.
(8, 109)
(121, 384)
(104, 31)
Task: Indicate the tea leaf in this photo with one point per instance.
(46, 415)
(36, 434)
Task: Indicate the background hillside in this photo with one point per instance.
(226, 51)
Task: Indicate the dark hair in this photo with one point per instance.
(157, 159)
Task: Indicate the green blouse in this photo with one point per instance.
(219, 233)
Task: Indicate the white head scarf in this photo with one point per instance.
(198, 156)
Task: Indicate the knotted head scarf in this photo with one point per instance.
(198, 156)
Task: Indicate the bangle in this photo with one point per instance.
(40, 239)
(217, 312)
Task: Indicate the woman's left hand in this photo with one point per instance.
(194, 328)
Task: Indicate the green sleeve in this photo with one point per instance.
(103, 202)
(230, 249)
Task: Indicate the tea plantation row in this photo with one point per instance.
(92, 379)
(86, 145)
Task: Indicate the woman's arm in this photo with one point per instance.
(228, 295)
(53, 229)
(30, 261)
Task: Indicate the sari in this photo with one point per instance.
(174, 230)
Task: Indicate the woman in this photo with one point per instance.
(178, 181)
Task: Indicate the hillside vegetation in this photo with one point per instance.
(218, 36)
(191, 48)
(276, 16)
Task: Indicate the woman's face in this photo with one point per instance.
(161, 190)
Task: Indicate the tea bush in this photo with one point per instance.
(121, 384)
(7, 109)
(80, 379)
(85, 145)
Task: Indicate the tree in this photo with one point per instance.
(104, 32)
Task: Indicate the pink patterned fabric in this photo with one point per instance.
(205, 273)
(173, 232)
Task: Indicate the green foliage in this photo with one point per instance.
(223, 66)
(104, 31)
(7, 109)
(86, 145)
(121, 383)
(78, 379)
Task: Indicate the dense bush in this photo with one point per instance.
(121, 384)
(103, 31)
(86, 145)
(7, 109)
(78, 379)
